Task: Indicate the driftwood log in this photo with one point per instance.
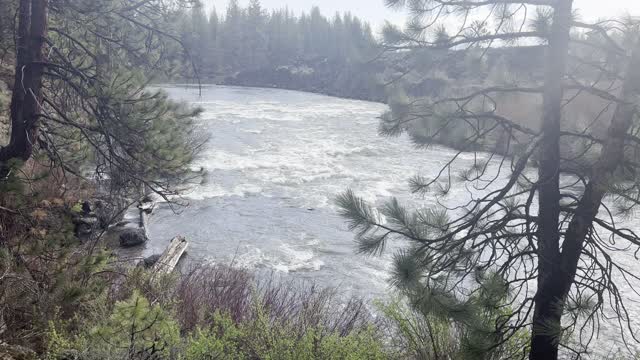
(170, 257)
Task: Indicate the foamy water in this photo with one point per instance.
(273, 166)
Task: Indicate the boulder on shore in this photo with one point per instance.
(133, 237)
(85, 226)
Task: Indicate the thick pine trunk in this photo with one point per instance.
(548, 299)
(26, 97)
(556, 277)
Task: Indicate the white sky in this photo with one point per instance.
(376, 13)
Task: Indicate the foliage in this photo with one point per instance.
(419, 336)
(95, 111)
(135, 329)
(477, 257)
(251, 38)
(434, 326)
(260, 339)
(47, 273)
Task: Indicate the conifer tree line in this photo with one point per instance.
(246, 39)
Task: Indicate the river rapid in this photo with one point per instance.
(272, 167)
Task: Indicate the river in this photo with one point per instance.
(273, 165)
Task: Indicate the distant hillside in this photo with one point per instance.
(431, 72)
(321, 75)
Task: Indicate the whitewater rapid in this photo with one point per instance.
(272, 167)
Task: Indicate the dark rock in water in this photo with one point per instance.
(85, 226)
(86, 208)
(147, 206)
(149, 261)
(133, 237)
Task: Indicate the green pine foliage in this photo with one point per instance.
(136, 329)
(480, 318)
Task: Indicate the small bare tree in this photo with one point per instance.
(554, 231)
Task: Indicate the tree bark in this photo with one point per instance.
(547, 312)
(27, 88)
(555, 282)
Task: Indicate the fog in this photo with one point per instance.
(376, 13)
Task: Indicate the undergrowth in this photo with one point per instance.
(61, 298)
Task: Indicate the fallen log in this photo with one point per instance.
(170, 257)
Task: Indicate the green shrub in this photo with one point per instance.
(418, 336)
(138, 329)
(222, 341)
(135, 329)
(261, 339)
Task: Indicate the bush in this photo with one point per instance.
(260, 339)
(136, 330)
(217, 312)
(418, 336)
(205, 290)
(415, 334)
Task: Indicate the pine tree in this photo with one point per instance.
(231, 38)
(199, 38)
(213, 45)
(254, 36)
(80, 97)
(522, 229)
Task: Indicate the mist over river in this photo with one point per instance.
(273, 165)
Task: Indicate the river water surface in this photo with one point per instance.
(273, 166)
(274, 163)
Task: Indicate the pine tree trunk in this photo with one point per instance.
(548, 299)
(26, 97)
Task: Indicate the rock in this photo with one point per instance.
(147, 206)
(85, 226)
(86, 208)
(149, 261)
(133, 237)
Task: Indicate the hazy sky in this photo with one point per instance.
(376, 13)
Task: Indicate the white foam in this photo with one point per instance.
(284, 259)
